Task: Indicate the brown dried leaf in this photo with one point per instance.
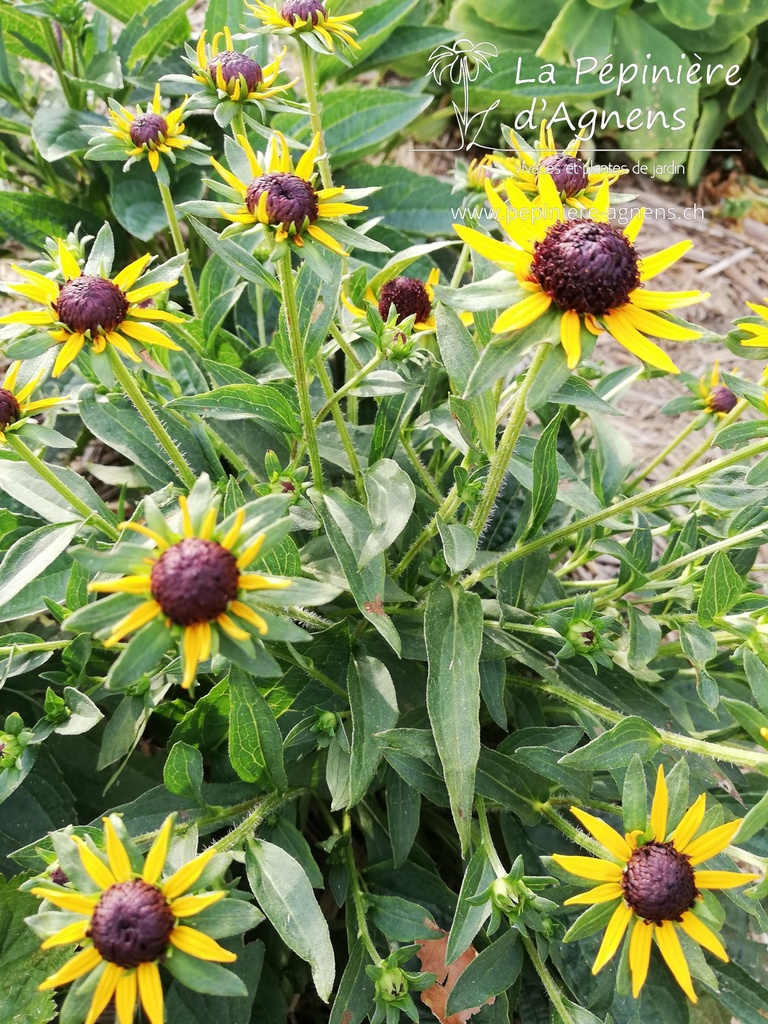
(432, 956)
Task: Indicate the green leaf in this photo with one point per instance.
(519, 582)
(28, 558)
(285, 895)
(490, 973)
(634, 796)
(22, 963)
(459, 353)
(720, 590)
(348, 526)
(757, 677)
(185, 1006)
(391, 497)
(235, 256)
(403, 814)
(57, 131)
(414, 203)
(357, 121)
(644, 638)
(264, 402)
(136, 199)
(453, 631)
(201, 976)
(373, 705)
(617, 747)
(354, 994)
(255, 743)
(31, 218)
(400, 920)
(459, 544)
(700, 647)
(470, 918)
(545, 478)
(183, 771)
(23, 484)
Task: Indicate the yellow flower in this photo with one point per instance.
(409, 296)
(308, 16)
(16, 406)
(282, 198)
(718, 399)
(760, 331)
(576, 184)
(91, 308)
(586, 268)
(148, 133)
(481, 170)
(655, 885)
(130, 923)
(235, 74)
(194, 580)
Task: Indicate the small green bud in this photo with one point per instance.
(582, 635)
(392, 985)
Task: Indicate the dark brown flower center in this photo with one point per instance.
(91, 304)
(9, 408)
(305, 10)
(719, 399)
(148, 128)
(194, 581)
(659, 883)
(235, 65)
(131, 924)
(586, 266)
(290, 199)
(568, 173)
(409, 296)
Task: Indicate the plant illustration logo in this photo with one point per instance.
(462, 62)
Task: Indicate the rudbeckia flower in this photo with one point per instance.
(587, 269)
(656, 885)
(18, 405)
(718, 399)
(194, 582)
(92, 308)
(308, 18)
(758, 330)
(233, 74)
(147, 132)
(575, 183)
(127, 920)
(281, 197)
(409, 296)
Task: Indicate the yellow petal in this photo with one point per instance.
(646, 298)
(191, 648)
(122, 345)
(71, 933)
(324, 239)
(251, 552)
(654, 324)
(125, 996)
(700, 933)
(589, 867)
(94, 865)
(712, 842)
(516, 221)
(161, 542)
(604, 834)
(231, 629)
(570, 337)
(672, 951)
(659, 807)
(722, 879)
(233, 532)
(151, 992)
(70, 268)
(629, 336)
(147, 335)
(75, 968)
(188, 906)
(253, 160)
(186, 876)
(614, 933)
(689, 824)
(524, 312)
(129, 275)
(155, 314)
(32, 317)
(69, 352)
(650, 266)
(153, 865)
(244, 612)
(339, 209)
(116, 855)
(233, 181)
(601, 204)
(139, 617)
(640, 954)
(549, 193)
(104, 991)
(127, 585)
(76, 902)
(254, 581)
(500, 253)
(306, 164)
(45, 284)
(600, 894)
(148, 291)
(198, 944)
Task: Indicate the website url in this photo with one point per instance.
(621, 215)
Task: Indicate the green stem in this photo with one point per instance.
(423, 475)
(573, 833)
(506, 446)
(449, 506)
(46, 473)
(260, 316)
(266, 806)
(238, 123)
(689, 479)
(461, 266)
(285, 273)
(357, 895)
(344, 345)
(687, 429)
(14, 649)
(708, 441)
(181, 249)
(341, 426)
(348, 386)
(131, 387)
(549, 983)
(56, 59)
(315, 117)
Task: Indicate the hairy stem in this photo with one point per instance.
(181, 249)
